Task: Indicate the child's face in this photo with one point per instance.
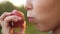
(45, 13)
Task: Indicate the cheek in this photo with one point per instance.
(32, 13)
(44, 6)
(46, 21)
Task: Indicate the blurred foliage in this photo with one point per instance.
(21, 8)
(8, 7)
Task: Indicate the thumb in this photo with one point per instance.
(5, 28)
(23, 28)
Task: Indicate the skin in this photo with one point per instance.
(4, 22)
(45, 13)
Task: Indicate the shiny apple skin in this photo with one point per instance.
(20, 14)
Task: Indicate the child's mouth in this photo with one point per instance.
(30, 19)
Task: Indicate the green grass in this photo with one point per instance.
(31, 30)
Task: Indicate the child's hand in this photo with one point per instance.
(4, 22)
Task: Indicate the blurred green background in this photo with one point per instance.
(8, 7)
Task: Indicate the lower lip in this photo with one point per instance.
(30, 19)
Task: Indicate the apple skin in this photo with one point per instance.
(20, 14)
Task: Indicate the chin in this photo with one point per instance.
(43, 29)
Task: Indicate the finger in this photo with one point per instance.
(23, 28)
(4, 24)
(12, 18)
(4, 15)
(15, 18)
(5, 28)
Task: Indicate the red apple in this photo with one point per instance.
(20, 14)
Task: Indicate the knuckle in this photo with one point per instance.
(14, 17)
(6, 18)
(5, 12)
(3, 15)
(20, 17)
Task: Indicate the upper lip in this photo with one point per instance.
(30, 17)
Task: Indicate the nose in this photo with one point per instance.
(28, 5)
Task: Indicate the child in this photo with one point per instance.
(44, 14)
